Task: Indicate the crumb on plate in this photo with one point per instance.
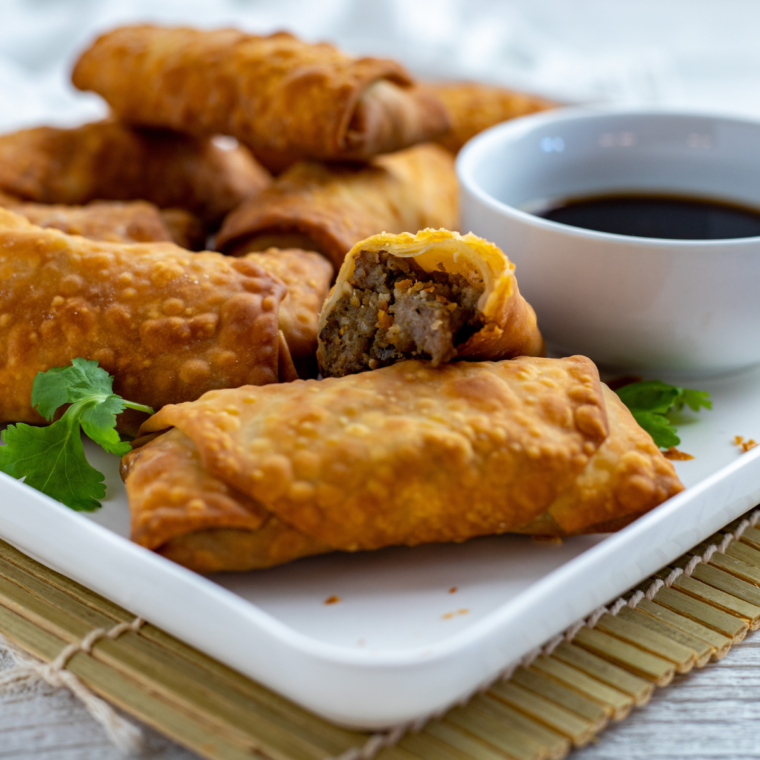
(677, 456)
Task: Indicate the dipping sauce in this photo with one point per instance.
(658, 216)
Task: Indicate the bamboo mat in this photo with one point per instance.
(559, 697)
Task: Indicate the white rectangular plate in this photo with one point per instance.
(414, 630)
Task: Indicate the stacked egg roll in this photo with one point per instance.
(330, 207)
(436, 295)
(282, 97)
(108, 160)
(168, 324)
(473, 107)
(307, 277)
(109, 221)
(407, 454)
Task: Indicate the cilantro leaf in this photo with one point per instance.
(650, 396)
(51, 459)
(661, 429)
(693, 399)
(60, 385)
(651, 401)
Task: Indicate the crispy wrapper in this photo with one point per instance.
(114, 222)
(475, 107)
(626, 477)
(284, 98)
(370, 320)
(307, 277)
(168, 324)
(408, 454)
(329, 208)
(108, 160)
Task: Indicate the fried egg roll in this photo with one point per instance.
(405, 455)
(307, 277)
(108, 160)
(435, 295)
(328, 208)
(280, 96)
(168, 324)
(474, 107)
(113, 222)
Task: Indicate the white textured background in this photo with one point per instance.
(693, 53)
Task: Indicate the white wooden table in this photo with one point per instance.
(711, 713)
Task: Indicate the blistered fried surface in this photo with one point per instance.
(627, 477)
(276, 94)
(475, 107)
(307, 277)
(114, 222)
(406, 454)
(333, 207)
(168, 324)
(509, 323)
(173, 494)
(108, 160)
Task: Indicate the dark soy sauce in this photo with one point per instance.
(658, 216)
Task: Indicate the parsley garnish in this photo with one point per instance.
(652, 401)
(51, 459)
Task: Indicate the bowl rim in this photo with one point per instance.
(476, 150)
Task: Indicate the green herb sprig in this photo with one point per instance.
(51, 459)
(652, 401)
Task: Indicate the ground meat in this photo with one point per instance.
(398, 311)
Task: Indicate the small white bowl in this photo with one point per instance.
(683, 306)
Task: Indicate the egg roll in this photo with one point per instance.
(307, 277)
(108, 160)
(405, 455)
(114, 222)
(276, 94)
(328, 208)
(435, 295)
(474, 107)
(168, 324)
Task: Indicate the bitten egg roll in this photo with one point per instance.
(474, 107)
(435, 295)
(307, 277)
(328, 208)
(281, 97)
(167, 323)
(407, 454)
(108, 160)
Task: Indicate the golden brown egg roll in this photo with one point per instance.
(109, 221)
(307, 277)
(329, 208)
(278, 95)
(475, 107)
(168, 324)
(108, 160)
(408, 454)
(435, 295)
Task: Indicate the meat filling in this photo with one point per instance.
(399, 311)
